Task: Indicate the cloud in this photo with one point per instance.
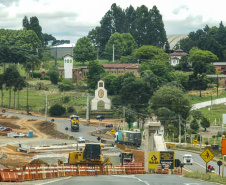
(8, 3)
(187, 25)
(177, 10)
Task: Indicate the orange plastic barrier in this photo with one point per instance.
(8, 175)
(20, 173)
(175, 171)
(166, 169)
(27, 174)
(159, 169)
(179, 172)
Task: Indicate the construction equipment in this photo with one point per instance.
(126, 157)
(74, 123)
(91, 155)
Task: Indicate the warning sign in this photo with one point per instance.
(207, 155)
(195, 142)
(163, 157)
(153, 159)
(112, 131)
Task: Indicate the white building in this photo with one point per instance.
(68, 66)
(176, 56)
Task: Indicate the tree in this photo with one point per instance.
(53, 74)
(145, 53)
(83, 50)
(205, 123)
(34, 25)
(109, 81)
(18, 86)
(151, 79)
(194, 125)
(165, 116)
(31, 62)
(94, 74)
(124, 44)
(200, 59)
(57, 110)
(172, 98)
(10, 77)
(25, 23)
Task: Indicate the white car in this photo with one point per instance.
(20, 135)
(81, 140)
(188, 159)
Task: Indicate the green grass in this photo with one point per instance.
(206, 177)
(214, 114)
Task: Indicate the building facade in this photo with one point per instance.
(176, 56)
(118, 69)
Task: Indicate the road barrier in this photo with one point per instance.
(34, 172)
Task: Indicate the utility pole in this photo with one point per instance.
(46, 109)
(211, 102)
(113, 59)
(27, 100)
(200, 143)
(217, 85)
(124, 113)
(87, 110)
(56, 57)
(179, 131)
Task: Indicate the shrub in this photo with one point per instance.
(70, 109)
(37, 75)
(57, 110)
(66, 99)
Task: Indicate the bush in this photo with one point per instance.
(66, 99)
(70, 109)
(57, 110)
(37, 75)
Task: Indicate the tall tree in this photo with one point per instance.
(84, 50)
(25, 23)
(35, 26)
(94, 74)
(9, 78)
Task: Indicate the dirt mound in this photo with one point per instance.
(48, 128)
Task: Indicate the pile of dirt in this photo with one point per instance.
(48, 128)
(139, 155)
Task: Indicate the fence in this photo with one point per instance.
(34, 172)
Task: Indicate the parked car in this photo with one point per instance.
(7, 129)
(20, 135)
(1, 128)
(108, 125)
(81, 140)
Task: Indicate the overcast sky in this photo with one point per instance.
(73, 19)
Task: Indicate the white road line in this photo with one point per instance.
(132, 176)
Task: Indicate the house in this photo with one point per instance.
(118, 69)
(220, 66)
(176, 56)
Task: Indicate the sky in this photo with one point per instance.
(73, 19)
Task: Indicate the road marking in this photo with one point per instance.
(132, 176)
(54, 181)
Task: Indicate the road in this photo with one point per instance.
(199, 164)
(147, 179)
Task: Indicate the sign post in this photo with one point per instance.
(207, 155)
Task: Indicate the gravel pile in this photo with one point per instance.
(50, 158)
(114, 150)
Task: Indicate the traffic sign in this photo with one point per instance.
(207, 155)
(195, 142)
(112, 131)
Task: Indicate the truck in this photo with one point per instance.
(128, 138)
(74, 123)
(188, 159)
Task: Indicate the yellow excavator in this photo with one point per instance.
(91, 155)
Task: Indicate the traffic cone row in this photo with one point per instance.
(166, 169)
(159, 169)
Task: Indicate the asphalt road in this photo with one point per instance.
(128, 180)
(198, 163)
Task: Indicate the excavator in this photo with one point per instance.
(91, 155)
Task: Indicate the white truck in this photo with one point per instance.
(188, 159)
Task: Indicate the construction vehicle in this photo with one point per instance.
(91, 155)
(74, 123)
(126, 157)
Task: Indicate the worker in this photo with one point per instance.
(209, 167)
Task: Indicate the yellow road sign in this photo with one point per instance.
(153, 159)
(195, 142)
(207, 155)
(112, 131)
